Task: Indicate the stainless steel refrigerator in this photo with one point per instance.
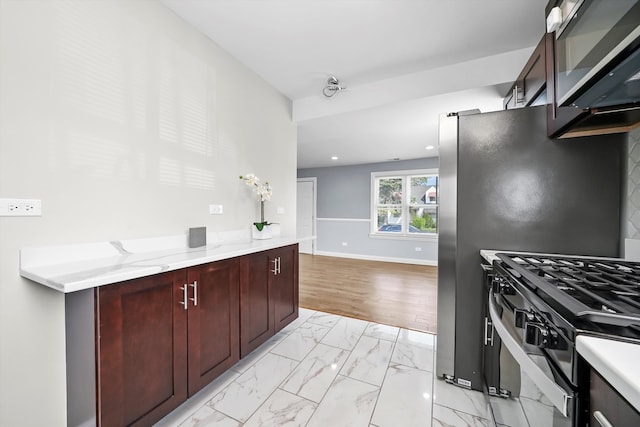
(504, 185)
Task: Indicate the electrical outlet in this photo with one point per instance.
(418, 249)
(20, 207)
(280, 210)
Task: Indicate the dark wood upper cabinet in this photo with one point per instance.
(559, 119)
(620, 113)
(536, 85)
(268, 295)
(142, 349)
(531, 82)
(213, 321)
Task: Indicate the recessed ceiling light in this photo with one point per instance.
(429, 147)
(334, 157)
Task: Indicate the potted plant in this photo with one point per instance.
(259, 230)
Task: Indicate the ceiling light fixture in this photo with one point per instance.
(332, 87)
(334, 157)
(429, 147)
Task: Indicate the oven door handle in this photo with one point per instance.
(550, 388)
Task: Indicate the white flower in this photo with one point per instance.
(262, 190)
(251, 179)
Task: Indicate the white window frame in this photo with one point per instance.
(406, 204)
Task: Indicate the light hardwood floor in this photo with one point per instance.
(403, 295)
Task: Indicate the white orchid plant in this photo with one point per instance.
(263, 191)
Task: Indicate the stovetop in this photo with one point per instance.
(587, 290)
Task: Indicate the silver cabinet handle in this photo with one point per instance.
(488, 340)
(194, 285)
(601, 419)
(516, 98)
(556, 394)
(276, 266)
(185, 298)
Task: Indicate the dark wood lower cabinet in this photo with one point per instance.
(268, 295)
(213, 321)
(285, 286)
(608, 406)
(256, 306)
(160, 339)
(142, 349)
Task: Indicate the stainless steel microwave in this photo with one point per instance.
(597, 53)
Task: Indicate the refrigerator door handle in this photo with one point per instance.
(488, 333)
(550, 388)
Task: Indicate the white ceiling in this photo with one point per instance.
(403, 61)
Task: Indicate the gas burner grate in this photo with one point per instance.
(583, 284)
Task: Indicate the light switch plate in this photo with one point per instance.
(215, 209)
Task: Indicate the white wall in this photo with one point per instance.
(127, 123)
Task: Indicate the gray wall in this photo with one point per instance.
(344, 210)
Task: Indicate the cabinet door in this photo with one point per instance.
(285, 285)
(534, 78)
(141, 347)
(607, 404)
(256, 309)
(509, 101)
(531, 82)
(213, 319)
(558, 118)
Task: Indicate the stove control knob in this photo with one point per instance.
(537, 334)
(522, 317)
(502, 286)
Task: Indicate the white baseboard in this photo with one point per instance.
(433, 263)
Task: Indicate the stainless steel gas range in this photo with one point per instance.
(536, 306)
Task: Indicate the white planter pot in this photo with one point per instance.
(261, 235)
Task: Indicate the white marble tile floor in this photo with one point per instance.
(328, 370)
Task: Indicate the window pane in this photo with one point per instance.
(423, 219)
(389, 191)
(424, 189)
(389, 220)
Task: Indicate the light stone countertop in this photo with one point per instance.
(73, 268)
(616, 361)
